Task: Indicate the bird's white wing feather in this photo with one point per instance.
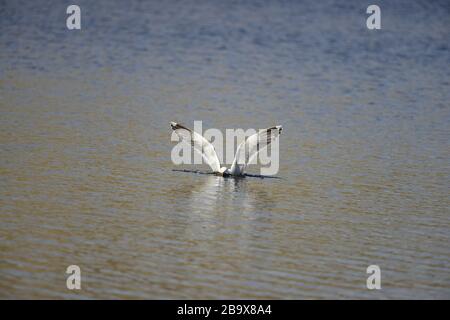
(199, 143)
(249, 149)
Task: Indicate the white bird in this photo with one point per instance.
(245, 153)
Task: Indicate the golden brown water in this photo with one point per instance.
(86, 175)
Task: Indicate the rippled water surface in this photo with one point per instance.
(86, 175)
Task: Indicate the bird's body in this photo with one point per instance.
(245, 153)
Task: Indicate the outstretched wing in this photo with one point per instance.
(200, 144)
(249, 149)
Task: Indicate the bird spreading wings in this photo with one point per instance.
(245, 154)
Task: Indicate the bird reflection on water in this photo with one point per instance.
(211, 206)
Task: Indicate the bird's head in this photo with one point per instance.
(224, 171)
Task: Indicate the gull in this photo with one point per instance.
(245, 153)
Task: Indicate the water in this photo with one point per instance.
(86, 176)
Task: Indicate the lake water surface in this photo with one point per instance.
(86, 176)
